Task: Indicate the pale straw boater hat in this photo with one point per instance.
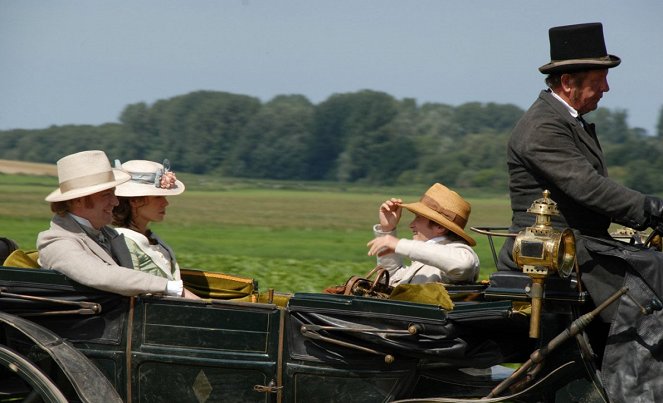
(146, 179)
(445, 207)
(85, 173)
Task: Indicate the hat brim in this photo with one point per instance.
(57, 195)
(425, 211)
(572, 65)
(134, 189)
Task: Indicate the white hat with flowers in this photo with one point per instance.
(148, 178)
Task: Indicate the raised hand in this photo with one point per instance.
(390, 213)
(382, 245)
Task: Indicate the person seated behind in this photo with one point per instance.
(142, 200)
(79, 242)
(440, 250)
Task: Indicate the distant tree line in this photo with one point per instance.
(365, 136)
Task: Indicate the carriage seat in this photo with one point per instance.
(7, 246)
(25, 259)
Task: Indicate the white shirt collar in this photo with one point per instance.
(569, 108)
(84, 222)
(437, 239)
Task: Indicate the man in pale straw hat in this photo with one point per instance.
(79, 242)
(553, 148)
(142, 200)
(440, 250)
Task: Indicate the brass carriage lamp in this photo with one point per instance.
(541, 250)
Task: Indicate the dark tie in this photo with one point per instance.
(103, 242)
(99, 238)
(106, 243)
(589, 128)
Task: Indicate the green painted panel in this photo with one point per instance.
(206, 338)
(165, 382)
(345, 389)
(207, 316)
(208, 328)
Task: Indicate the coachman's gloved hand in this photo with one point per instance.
(653, 209)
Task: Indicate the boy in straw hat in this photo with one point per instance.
(552, 147)
(440, 250)
(79, 242)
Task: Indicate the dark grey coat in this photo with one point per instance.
(550, 149)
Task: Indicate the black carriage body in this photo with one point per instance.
(315, 348)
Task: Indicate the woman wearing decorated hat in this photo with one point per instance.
(440, 250)
(142, 200)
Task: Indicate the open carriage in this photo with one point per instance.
(61, 341)
(303, 348)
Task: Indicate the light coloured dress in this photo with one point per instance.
(155, 258)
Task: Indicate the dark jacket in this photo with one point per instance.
(550, 149)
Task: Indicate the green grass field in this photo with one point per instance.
(289, 236)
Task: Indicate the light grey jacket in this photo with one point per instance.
(444, 261)
(65, 247)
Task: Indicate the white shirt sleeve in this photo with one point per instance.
(456, 261)
(175, 288)
(390, 261)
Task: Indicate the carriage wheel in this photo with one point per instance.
(38, 384)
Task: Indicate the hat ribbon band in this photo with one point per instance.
(147, 178)
(450, 215)
(85, 181)
(588, 59)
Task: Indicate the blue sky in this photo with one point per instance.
(82, 61)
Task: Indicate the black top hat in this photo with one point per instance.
(578, 47)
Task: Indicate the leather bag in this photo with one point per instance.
(375, 284)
